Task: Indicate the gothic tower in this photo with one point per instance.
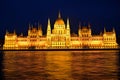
(79, 30)
(49, 33)
(68, 33)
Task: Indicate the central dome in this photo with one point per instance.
(59, 21)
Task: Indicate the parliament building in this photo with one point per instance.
(60, 38)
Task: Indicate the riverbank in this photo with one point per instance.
(60, 49)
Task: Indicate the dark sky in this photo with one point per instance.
(17, 14)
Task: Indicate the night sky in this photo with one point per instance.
(17, 14)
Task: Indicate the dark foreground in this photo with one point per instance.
(60, 65)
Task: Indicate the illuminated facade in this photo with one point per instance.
(60, 38)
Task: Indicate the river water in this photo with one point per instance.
(60, 65)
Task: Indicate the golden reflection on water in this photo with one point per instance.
(60, 65)
(92, 65)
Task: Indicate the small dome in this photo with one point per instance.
(59, 21)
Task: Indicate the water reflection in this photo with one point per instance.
(1, 66)
(100, 65)
(63, 65)
(24, 65)
(58, 65)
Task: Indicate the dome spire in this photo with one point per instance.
(104, 30)
(59, 15)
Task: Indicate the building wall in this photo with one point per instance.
(60, 37)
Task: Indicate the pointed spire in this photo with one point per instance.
(79, 30)
(40, 27)
(29, 26)
(48, 21)
(113, 29)
(59, 15)
(68, 24)
(48, 24)
(48, 28)
(7, 32)
(14, 32)
(21, 34)
(89, 25)
(67, 20)
(104, 30)
(100, 33)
